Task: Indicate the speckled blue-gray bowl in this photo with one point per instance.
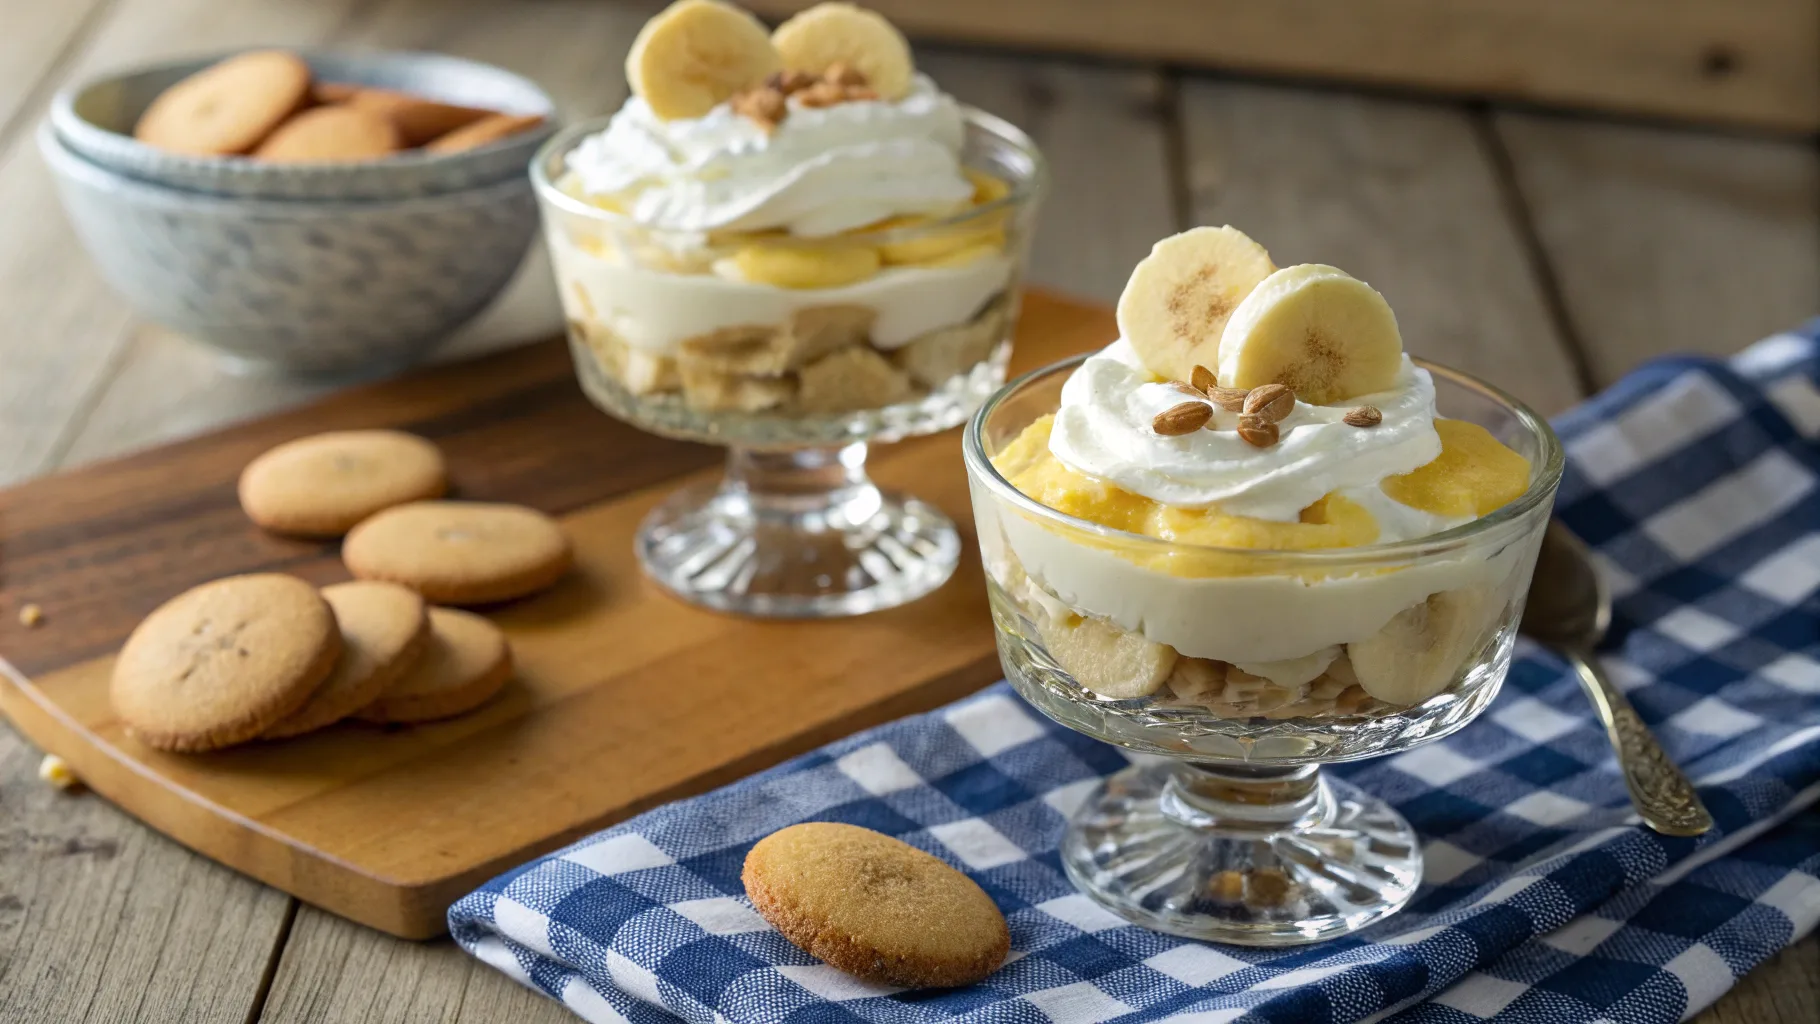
(95, 120)
(310, 288)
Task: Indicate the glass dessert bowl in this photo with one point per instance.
(812, 258)
(1255, 586)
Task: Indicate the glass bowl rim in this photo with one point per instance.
(1025, 191)
(1541, 488)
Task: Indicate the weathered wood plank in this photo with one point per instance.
(1400, 194)
(1104, 134)
(1783, 990)
(335, 971)
(1666, 241)
(102, 919)
(1746, 60)
(37, 35)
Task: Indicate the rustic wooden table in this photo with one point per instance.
(1549, 253)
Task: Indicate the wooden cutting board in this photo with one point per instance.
(624, 698)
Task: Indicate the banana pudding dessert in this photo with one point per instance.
(1249, 505)
(790, 223)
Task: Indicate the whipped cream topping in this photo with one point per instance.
(824, 170)
(1103, 429)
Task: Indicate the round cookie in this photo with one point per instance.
(333, 133)
(222, 662)
(875, 907)
(460, 552)
(465, 663)
(418, 120)
(227, 107)
(487, 130)
(385, 629)
(320, 486)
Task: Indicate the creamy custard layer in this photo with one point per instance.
(1237, 608)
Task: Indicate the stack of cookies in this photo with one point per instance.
(268, 656)
(267, 105)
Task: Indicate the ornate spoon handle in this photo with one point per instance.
(1661, 794)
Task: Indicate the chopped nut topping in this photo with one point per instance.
(1203, 380)
(1364, 416)
(827, 93)
(1271, 401)
(1257, 431)
(768, 103)
(1185, 418)
(821, 94)
(1186, 389)
(844, 74)
(1229, 399)
(790, 82)
(764, 105)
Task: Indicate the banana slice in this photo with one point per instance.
(838, 33)
(966, 242)
(1423, 648)
(1318, 330)
(807, 267)
(1107, 660)
(695, 55)
(1176, 304)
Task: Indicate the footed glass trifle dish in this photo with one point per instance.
(792, 245)
(1249, 538)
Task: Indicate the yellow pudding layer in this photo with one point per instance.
(1474, 475)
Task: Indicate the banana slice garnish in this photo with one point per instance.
(1319, 330)
(1176, 304)
(840, 33)
(695, 55)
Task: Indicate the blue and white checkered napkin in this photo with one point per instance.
(1698, 482)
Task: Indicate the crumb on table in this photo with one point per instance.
(30, 616)
(56, 771)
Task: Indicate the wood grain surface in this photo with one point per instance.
(618, 688)
(1661, 241)
(1748, 61)
(1399, 194)
(102, 918)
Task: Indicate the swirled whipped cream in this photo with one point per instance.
(822, 171)
(1103, 429)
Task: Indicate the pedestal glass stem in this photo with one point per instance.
(799, 533)
(1235, 853)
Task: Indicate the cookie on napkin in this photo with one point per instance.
(875, 907)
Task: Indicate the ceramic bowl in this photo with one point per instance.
(95, 120)
(305, 287)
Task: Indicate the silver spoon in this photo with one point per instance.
(1569, 609)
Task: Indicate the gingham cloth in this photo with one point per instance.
(1698, 482)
